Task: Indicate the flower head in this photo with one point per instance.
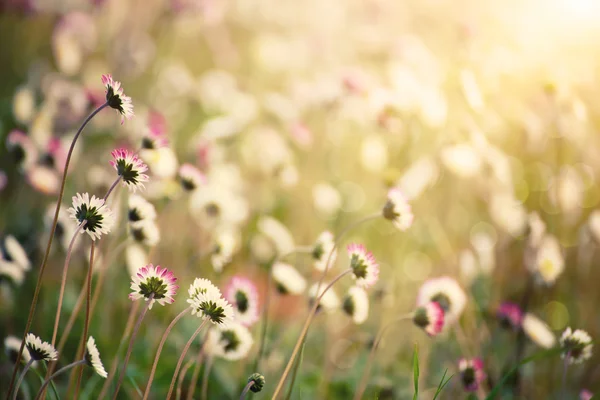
(510, 315)
(154, 284)
(538, 331)
(329, 302)
(287, 279)
(225, 245)
(12, 251)
(577, 345)
(242, 294)
(190, 177)
(130, 168)
(356, 304)
(364, 267)
(430, 317)
(471, 373)
(321, 250)
(22, 148)
(92, 357)
(231, 342)
(259, 382)
(98, 218)
(116, 98)
(12, 271)
(140, 209)
(447, 293)
(39, 350)
(549, 262)
(585, 395)
(12, 345)
(398, 210)
(206, 301)
(145, 232)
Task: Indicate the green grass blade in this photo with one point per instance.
(416, 372)
(442, 384)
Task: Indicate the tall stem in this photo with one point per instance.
(207, 368)
(182, 356)
(54, 375)
(311, 315)
(563, 388)
(196, 373)
(38, 285)
(181, 378)
(365, 376)
(163, 339)
(27, 366)
(131, 340)
(246, 389)
(112, 187)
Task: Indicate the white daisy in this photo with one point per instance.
(162, 162)
(536, 230)
(224, 248)
(145, 232)
(323, 247)
(287, 279)
(216, 205)
(206, 301)
(12, 251)
(278, 233)
(116, 99)
(99, 218)
(156, 281)
(39, 350)
(12, 345)
(538, 331)
(242, 294)
(190, 177)
(364, 266)
(549, 262)
(356, 304)
(398, 210)
(330, 300)
(232, 342)
(140, 209)
(11, 271)
(577, 345)
(447, 293)
(92, 357)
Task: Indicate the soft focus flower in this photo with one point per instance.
(447, 293)
(364, 267)
(140, 209)
(154, 139)
(12, 345)
(225, 246)
(242, 295)
(22, 148)
(329, 302)
(538, 331)
(471, 373)
(278, 233)
(259, 382)
(287, 279)
(536, 230)
(232, 342)
(98, 218)
(11, 271)
(430, 317)
(39, 350)
(130, 168)
(116, 98)
(162, 162)
(145, 232)
(216, 205)
(43, 179)
(92, 357)
(12, 251)
(206, 301)
(190, 177)
(321, 250)
(585, 395)
(549, 263)
(356, 304)
(577, 345)
(398, 210)
(510, 315)
(154, 284)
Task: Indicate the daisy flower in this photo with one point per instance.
(140, 209)
(287, 279)
(145, 232)
(12, 345)
(116, 98)
(154, 139)
(510, 315)
(225, 246)
(471, 373)
(447, 293)
(585, 395)
(98, 218)
(356, 304)
(259, 382)
(577, 345)
(242, 295)
(22, 148)
(398, 210)
(232, 342)
(12, 271)
(39, 350)
(364, 267)
(156, 281)
(206, 301)
(12, 251)
(430, 317)
(324, 245)
(190, 177)
(549, 262)
(329, 302)
(130, 168)
(538, 331)
(92, 357)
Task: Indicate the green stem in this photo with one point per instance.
(246, 389)
(54, 375)
(27, 366)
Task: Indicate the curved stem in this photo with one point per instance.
(196, 373)
(54, 375)
(246, 389)
(363, 381)
(184, 371)
(163, 339)
(182, 356)
(131, 340)
(112, 187)
(27, 366)
(38, 285)
(207, 368)
(300, 340)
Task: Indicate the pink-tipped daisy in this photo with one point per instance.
(471, 373)
(156, 282)
(22, 148)
(98, 218)
(116, 98)
(243, 296)
(190, 177)
(430, 317)
(398, 210)
(364, 267)
(447, 293)
(577, 345)
(130, 168)
(510, 315)
(154, 139)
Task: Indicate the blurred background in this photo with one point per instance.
(306, 112)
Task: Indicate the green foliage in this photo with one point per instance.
(442, 384)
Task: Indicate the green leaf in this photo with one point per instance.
(442, 384)
(416, 371)
(536, 356)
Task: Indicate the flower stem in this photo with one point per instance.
(181, 378)
(182, 356)
(131, 340)
(207, 368)
(196, 373)
(563, 389)
(246, 389)
(38, 285)
(112, 187)
(54, 375)
(363, 381)
(309, 319)
(27, 366)
(163, 339)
